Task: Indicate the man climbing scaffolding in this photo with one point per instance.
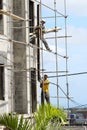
(39, 31)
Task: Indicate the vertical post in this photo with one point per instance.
(9, 31)
(41, 41)
(28, 55)
(38, 45)
(67, 85)
(56, 49)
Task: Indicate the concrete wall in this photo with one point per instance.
(6, 61)
(18, 59)
(24, 58)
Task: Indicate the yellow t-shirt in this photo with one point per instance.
(46, 85)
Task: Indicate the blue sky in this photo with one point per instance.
(77, 50)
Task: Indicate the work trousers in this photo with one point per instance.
(32, 40)
(45, 95)
(45, 43)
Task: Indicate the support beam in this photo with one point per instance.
(12, 15)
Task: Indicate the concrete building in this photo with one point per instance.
(19, 59)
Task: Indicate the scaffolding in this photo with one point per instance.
(56, 53)
(11, 15)
(19, 24)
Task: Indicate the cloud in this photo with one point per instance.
(50, 56)
(78, 35)
(75, 7)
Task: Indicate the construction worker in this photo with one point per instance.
(40, 31)
(42, 35)
(45, 90)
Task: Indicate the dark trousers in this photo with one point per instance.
(45, 95)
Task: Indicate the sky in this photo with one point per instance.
(76, 11)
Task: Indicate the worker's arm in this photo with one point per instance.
(47, 82)
(35, 30)
(52, 30)
(41, 84)
(37, 27)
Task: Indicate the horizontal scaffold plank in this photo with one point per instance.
(10, 14)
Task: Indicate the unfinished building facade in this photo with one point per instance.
(19, 59)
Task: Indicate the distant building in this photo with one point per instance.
(19, 59)
(82, 111)
(79, 116)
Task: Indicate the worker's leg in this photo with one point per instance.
(32, 39)
(42, 97)
(47, 97)
(45, 43)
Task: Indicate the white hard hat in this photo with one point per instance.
(43, 21)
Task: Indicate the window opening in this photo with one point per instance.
(1, 82)
(31, 15)
(0, 8)
(33, 89)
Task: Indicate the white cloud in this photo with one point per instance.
(79, 35)
(76, 7)
(50, 56)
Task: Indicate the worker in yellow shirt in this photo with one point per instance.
(45, 90)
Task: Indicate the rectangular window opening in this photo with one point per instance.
(1, 18)
(31, 16)
(31, 22)
(1, 82)
(1, 8)
(33, 89)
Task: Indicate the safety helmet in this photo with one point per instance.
(43, 21)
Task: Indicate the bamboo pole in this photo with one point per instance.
(12, 15)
